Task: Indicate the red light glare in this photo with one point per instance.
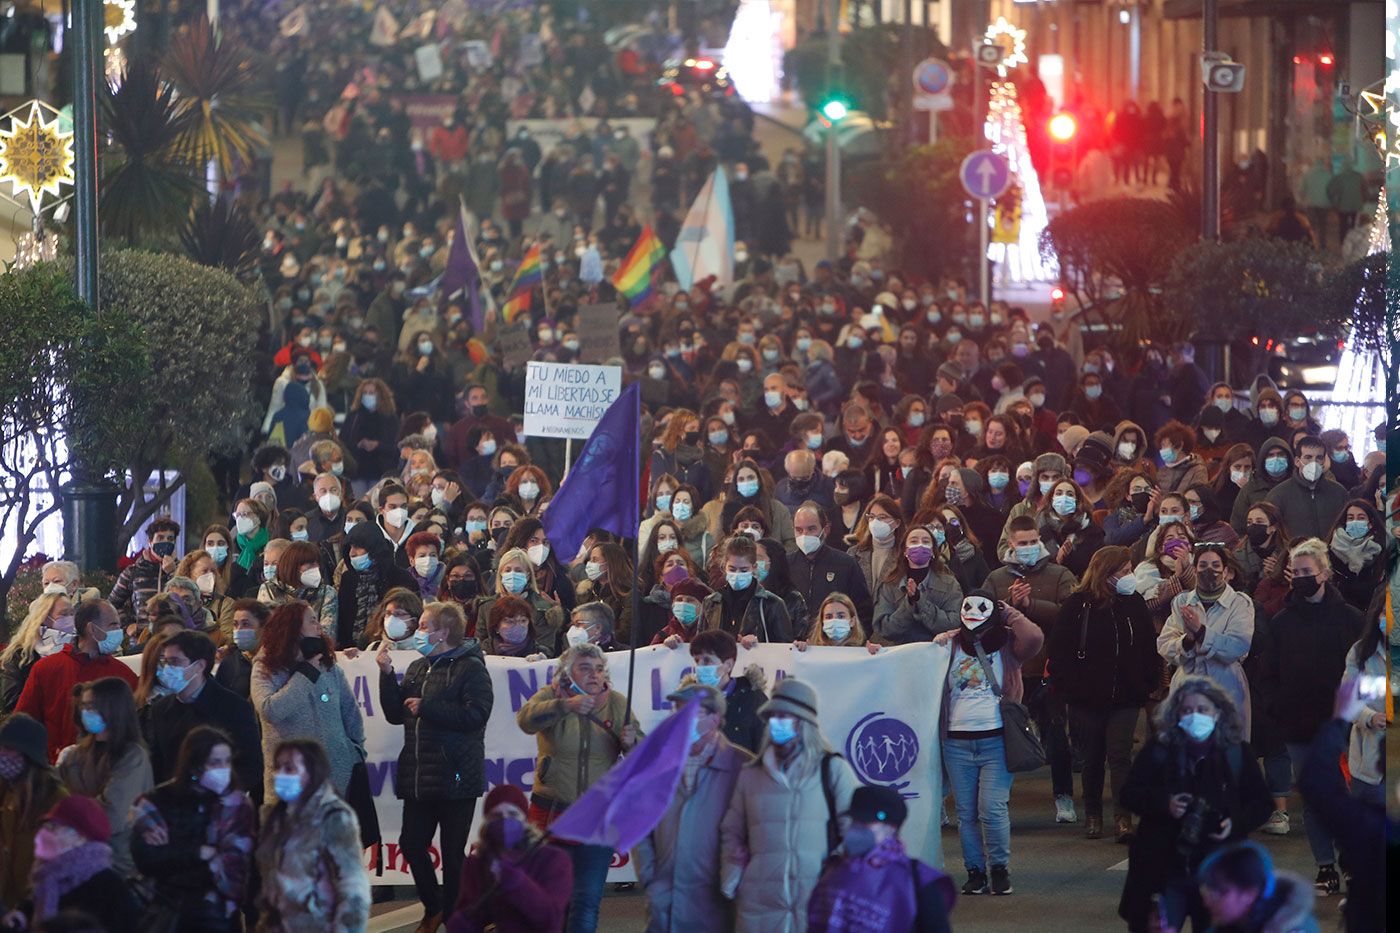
(677, 90)
(1326, 59)
(1063, 126)
(1254, 340)
(1057, 294)
(704, 64)
(1298, 59)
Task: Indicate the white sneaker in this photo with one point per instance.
(1278, 824)
(1064, 809)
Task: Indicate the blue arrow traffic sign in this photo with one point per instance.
(985, 174)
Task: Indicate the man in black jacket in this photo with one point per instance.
(443, 704)
(819, 570)
(193, 698)
(715, 652)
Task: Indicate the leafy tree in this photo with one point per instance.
(60, 369)
(199, 327)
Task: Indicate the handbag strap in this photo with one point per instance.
(987, 669)
(1084, 628)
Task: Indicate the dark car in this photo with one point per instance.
(704, 74)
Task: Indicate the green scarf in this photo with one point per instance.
(250, 548)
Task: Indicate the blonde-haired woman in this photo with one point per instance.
(515, 577)
(44, 631)
(369, 432)
(837, 625)
(582, 726)
(779, 830)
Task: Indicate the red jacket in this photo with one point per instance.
(48, 693)
(531, 897)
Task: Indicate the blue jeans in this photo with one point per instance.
(982, 788)
(590, 874)
(1319, 839)
(1278, 774)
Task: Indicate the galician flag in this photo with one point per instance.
(705, 245)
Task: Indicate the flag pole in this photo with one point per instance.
(636, 570)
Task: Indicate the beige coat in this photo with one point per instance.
(773, 840)
(574, 750)
(678, 863)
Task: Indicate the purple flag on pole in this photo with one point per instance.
(601, 488)
(634, 795)
(462, 274)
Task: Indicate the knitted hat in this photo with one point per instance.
(320, 420)
(505, 793)
(1075, 435)
(82, 814)
(691, 587)
(951, 371)
(947, 403)
(792, 697)
(1212, 417)
(261, 487)
(28, 736)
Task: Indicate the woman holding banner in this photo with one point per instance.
(582, 726)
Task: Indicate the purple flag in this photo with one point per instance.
(633, 796)
(461, 274)
(601, 488)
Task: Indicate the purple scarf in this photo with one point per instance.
(56, 878)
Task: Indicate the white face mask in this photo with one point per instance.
(538, 553)
(808, 543)
(425, 564)
(205, 582)
(245, 524)
(311, 579)
(329, 503)
(529, 491)
(395, 628)
(576, 635)
(396, 517)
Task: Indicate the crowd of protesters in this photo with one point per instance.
(844, 455)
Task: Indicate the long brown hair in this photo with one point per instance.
(281, 637)
(1095, 582)
(675, 427)
(90, 765)
(897, 567)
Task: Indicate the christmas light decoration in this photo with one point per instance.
(33, 247)
(118, 18)
(36, 155)
(1006, 131)
(753, 55)
(1012, 40)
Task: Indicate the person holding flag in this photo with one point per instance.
(635, 276)
(581, 726)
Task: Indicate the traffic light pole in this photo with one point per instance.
(833, 148)
(979, 130)
(1210, 143)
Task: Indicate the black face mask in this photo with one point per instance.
(499, 535)
(1256, 534)
(463, 589)
(952, 533)
(1208, 581)
(1306, 587)
(312, 646)
(479, 411)
(692, 437)
(1139, 500)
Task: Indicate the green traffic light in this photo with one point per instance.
(835, 110)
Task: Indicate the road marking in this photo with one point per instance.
(396, 919)
(1121, 866)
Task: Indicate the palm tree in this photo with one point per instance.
(147, 180)
(222, 235)
(216, 79)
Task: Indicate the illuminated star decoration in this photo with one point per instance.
(118, 18)
(1012, 40)
(36, 156)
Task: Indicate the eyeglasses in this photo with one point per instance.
(1201, 545)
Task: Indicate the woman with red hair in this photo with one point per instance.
(299, 692)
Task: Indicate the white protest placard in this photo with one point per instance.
(429, 61)
(567, 399)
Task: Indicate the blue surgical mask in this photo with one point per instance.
(1169, 455)
(685, 613)
(748, 488)
(219, 553)
(718, 437)
(1195, 511)
(360, 562)
(1126, 585)
(1340, 456)
(1092, 393)
(739, 580)
(707, 674)
(940, 537)
(1028, 554)
(246, 639)
(998, 480)
(475, 527)
(1356, 530)
(110, 643)
(514, 581)
(680, 511)
(287, 787)
(782, 731)
(93, 723)
(421, 644)
(762, 570)
(1167, 519)
(487, 448)
(1063, 504)
(171, 678)
(1198, 726)
(663, 502)
(302, 535)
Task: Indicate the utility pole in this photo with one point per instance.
(1210, 144)
(833, 147)
(89, 500)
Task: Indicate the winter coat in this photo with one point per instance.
(14, 674)
(1367, 742)
(829, 571)
(292, 705)
(1050, 587)
(1103, 656)
(324, 601)
(128, 778)
(745, 694)
(773, 839)
(1224, 643)
(1356, 821)
(1186, 472)
(1307, 655)
(1358, 587)
(444, 750)
(48, 693)
(765, 616)
(1309, 509)
(310, 862)
(168, 720)
(547, 620)
(107, 895)
(574, 750)
(1260, 482)
(532, 894)
(20, 817)
(901, 621)
(678, 863)
(694, 472)
(136, 584)
(1230, 782)
(389, 576)
(1088, 538)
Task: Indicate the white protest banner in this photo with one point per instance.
(566, 400)
(428, 58)
(879, 712)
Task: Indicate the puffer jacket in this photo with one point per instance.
(444, 751)
(574, 750)
(309, 858)
(678, 863)
(900, 622)
(745, 695)
(778, 820)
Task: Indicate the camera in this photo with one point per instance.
(1371, 687)
(1197, 823)
(989, 54)
(1219, 73)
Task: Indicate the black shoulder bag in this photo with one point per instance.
(1023, 749)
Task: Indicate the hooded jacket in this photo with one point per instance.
(1256, 432)
(1261, 483)
(444, 748)
(1104, 656)
(1307, 651)
(385, 573)
(1309, 509)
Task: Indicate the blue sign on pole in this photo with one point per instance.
(985, 174)
(932, 76)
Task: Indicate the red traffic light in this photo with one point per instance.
(1057, 294)
(1326, 59)
(1062, 127)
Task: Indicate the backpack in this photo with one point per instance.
(833, 828)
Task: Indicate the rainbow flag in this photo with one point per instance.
(530, 274)
(634, 276)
